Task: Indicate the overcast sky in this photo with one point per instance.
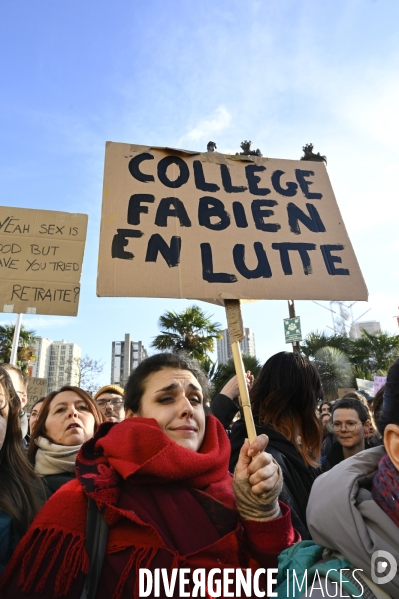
(177, 73)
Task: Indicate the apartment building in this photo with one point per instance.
(224, 346)
(56, 361)
(126, 356)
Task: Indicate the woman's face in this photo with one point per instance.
(69, 421)
(34, 415)
(174, 398)
(325, 418)
(325, 408)
(3, 415)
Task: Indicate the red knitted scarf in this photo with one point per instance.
(386, 489)
(137, 451)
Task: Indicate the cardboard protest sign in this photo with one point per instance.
(37, 388)
(213, 226)
(41, 255)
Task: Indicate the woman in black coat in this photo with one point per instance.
(284, 399)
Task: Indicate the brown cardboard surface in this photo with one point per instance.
(341, 392)
(41, 255)
(139, 269)
(37, 388)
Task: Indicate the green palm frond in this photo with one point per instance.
(334, 369)
(190, 330)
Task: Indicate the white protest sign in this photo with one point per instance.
(41, 255)
(212, 226)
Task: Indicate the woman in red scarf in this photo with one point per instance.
(160, 479)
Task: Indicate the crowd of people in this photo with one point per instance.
(160, 477)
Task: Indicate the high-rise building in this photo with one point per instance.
(224, 346)
(371, 326)
(64, 365)
(126, 356)
(56, 361)
(40, 367)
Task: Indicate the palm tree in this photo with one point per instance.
(334, 369)
(375, 352)
(316, 340)
(372, 354)
(25, 351)
(190, 330)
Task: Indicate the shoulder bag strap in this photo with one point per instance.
(96, 543)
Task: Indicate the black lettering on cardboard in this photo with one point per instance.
(262, 269)
(239, 215)
(10, 248)
(171, 207)
(330, 260)
(4, 223)
(120, 241)
(39, 294)
(226, 180)
(253, 180)
(44, 251)
(313, 222)
(301, 248)
(134, 167)
(35, 265)
(207, 208)
(47, 295)
(19, 292)
(170, 253)
(291, 188)
(304, 184)
(10, 263)
(259, 213)
(199, 178)
(135, 208)
(183, 168)
(12, 224)
(207, 267)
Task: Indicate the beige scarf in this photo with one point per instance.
(53, 459)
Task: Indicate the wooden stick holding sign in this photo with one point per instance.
(236, 331)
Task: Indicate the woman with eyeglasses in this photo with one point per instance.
(350, 420)
(67, 419)
(110, 402)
